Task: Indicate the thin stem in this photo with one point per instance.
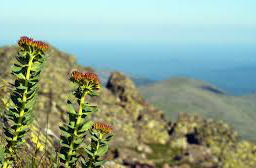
(24, 98)
(22, 112)
(98, 144)
(78, 121)
(96, 151)
(6, 165)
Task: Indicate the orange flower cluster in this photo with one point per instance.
(88, 79)
(30, 42)
(104, 128)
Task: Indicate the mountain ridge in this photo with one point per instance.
(198, 97)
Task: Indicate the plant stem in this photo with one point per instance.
(78, 121)
(6, 165)
(24, 98)
(22, 112)
(96, 151)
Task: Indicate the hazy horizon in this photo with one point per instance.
(213, 41)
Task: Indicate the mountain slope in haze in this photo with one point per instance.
(194, 96)
(104, 74)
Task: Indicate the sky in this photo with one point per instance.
(133, 21)
(203, 39)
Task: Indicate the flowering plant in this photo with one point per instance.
(73, 133)
(17, 118)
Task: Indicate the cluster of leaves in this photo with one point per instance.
(73, 133)
(97, 148)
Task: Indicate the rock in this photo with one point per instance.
(144, 148)
(137, 164)
(122, 87)
(111, 164)
(210, 144)
(179, 143)
(166, 166)
(147, 119)
(181, 166)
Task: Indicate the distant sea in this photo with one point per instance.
(230, 67)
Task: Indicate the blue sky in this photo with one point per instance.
(130, 12)
(196, 38)
(172, 21)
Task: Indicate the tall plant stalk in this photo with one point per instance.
(31, 58)
(73, 133)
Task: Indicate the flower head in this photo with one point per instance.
(88, 79)
(35, 44)
(102, 127)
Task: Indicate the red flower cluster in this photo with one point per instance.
(102, 127)
(30, 42)
(88, 79)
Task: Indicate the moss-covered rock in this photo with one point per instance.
(209, 143)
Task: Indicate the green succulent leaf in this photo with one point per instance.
(88, 151)
(31, 94)
(19, 75)
(21, 59)
(66, 146)
(37, 66)
(17, 68)
(78, 141)
(21, 87)
(108, 138)
(62, 156)
(86, 126)
(2, 154)
(30, 103)
(100, 163)
(64, 132)
(89, 109)
(102, 150)
(94, 135)
(71, 108)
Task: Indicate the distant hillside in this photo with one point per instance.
(194, 96)
(237, 80)
(105, 73)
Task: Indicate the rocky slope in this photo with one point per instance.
(142, 136)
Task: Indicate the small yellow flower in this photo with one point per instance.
(102, 127)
